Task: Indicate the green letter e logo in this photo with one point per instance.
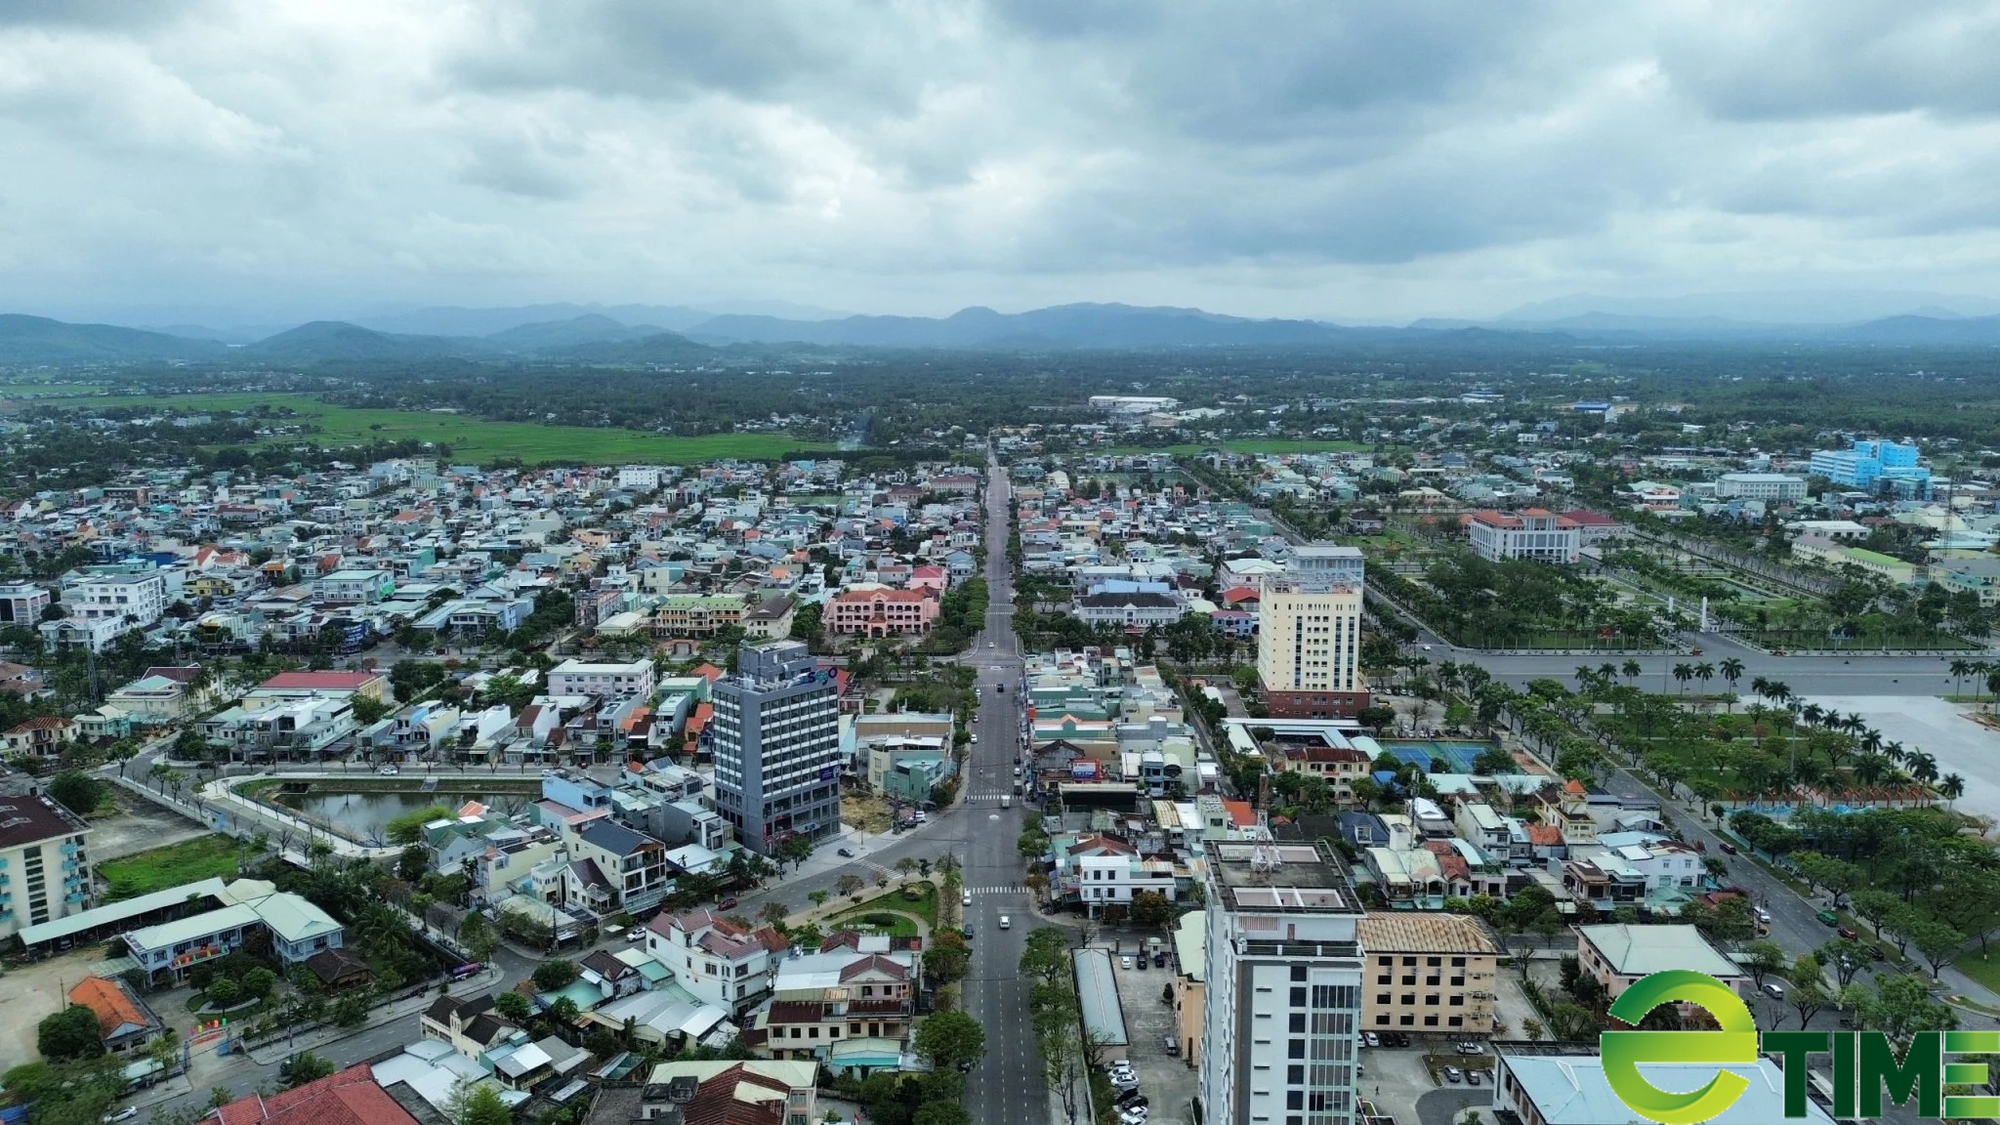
(1623, 1051)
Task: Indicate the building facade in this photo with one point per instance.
(1531, 533)
(1309, 649)
(611, 681)
(44, 866)
(1428, 974)
(1284, 986)
(1776, 487)
(777, 746)
(881, 612)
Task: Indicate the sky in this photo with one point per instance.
(1351, 162)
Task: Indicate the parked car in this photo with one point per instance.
(1876, 953)
(1370, 1039)
(1847, 933)
(1453, 1075)
(1469, 1047)
(1774, 990)
(388, 771)
(1828, 918)
(126, 1114)
(727, 903)
(1125, 962)
(1471, 1077)
(846, 852)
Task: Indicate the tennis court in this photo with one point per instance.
(1457, 756)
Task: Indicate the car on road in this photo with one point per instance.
(847, 853)
(1763, 916)
(1828, 918)
(1001, 688)
(1875, 953)
(1453, 1075)
(1728, 848)
(727, 903)
(991, 644)
(966, 930)
(126, 1114)
(1470, 1048)
(920, 816)
(1005, 922)
(1774, 990)
(975, 738)
(965, 898)
(388, 771)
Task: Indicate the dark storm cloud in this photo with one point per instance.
(1277, 156)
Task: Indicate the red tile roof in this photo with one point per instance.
(320, 681)
(349, 1097)
(114, 1009)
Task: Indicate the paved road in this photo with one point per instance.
(1805, 675)
(1006, 1088)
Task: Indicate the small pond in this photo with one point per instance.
(360, 816)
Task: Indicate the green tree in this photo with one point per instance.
(514, 1007)
(947, 959)
(1151, 908)
(259, 981)
(552, 976)
(1376, 717)
(1901, 1007)
(1046, 957)
(482, 1106)
(302, 1068)
(1761, 958)
(76, 791)
(1808, 994)
(412, 863)
(950, 1040)
(69, 1034)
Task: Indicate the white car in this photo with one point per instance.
(1005, 922)
(975, 740)
(126, 1114)
(388, 771)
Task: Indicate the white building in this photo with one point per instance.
(354, 587)
(1531, 533)
(1132, 404)
(128, 601)
(1330, 562)
(1760, 486)
(1284, 969)
(643, 478)
(1309, 649)
(610, 681)
(721, 963)
(44, 868)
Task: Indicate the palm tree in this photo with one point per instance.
(1704, 672)
(1812, 714)
(1895, 751)
(1631, 669)
(1871, 741)
(1682, 674)
(1922, 766)
(1760, 687)
(1952, 787)
(1959, 670)
(1732, 671)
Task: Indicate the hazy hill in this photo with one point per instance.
(1925, 330)
(1076, 326)
(556, 334)
(338, 340)
(37, 339)
(449, 320)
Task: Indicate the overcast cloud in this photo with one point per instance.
(1346, 161)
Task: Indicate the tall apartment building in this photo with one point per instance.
(1309, 648)
(44, 869)
(777, 746)
(1531, 533)
(1284, 987)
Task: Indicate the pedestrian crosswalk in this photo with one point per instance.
(997, 890)
(993, 798)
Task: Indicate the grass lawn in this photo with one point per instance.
(925, 907)
(476, 440)
(189, 861)
(1984, 971)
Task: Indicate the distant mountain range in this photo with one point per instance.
(640, 334)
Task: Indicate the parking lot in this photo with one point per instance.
(1409, 1083)
(1169, 1085)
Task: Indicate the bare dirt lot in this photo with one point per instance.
(33, 992)
(140, 824)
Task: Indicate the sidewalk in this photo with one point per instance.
(278, 1050)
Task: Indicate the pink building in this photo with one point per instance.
(881, 612)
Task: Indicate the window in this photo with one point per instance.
(1432, 961)
(1409, 998)
(1298, 1025)
(1295, 1074)
(1430, 1021)
(1298, 972)
(1431, 980)
(1386, 978)
(1430, 1001)
(1458, 962)
(1381, 998)
(1407, 1021)
(1455, 1021)
(1295, 1099)
(1409, 978)
(1298, 997)
(1458, 982)
(1296, 1050)
(1457, 1000)
(1409, 960)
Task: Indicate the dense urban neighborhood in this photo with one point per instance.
(1007, 781)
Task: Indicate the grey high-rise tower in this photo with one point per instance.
(777, 746)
